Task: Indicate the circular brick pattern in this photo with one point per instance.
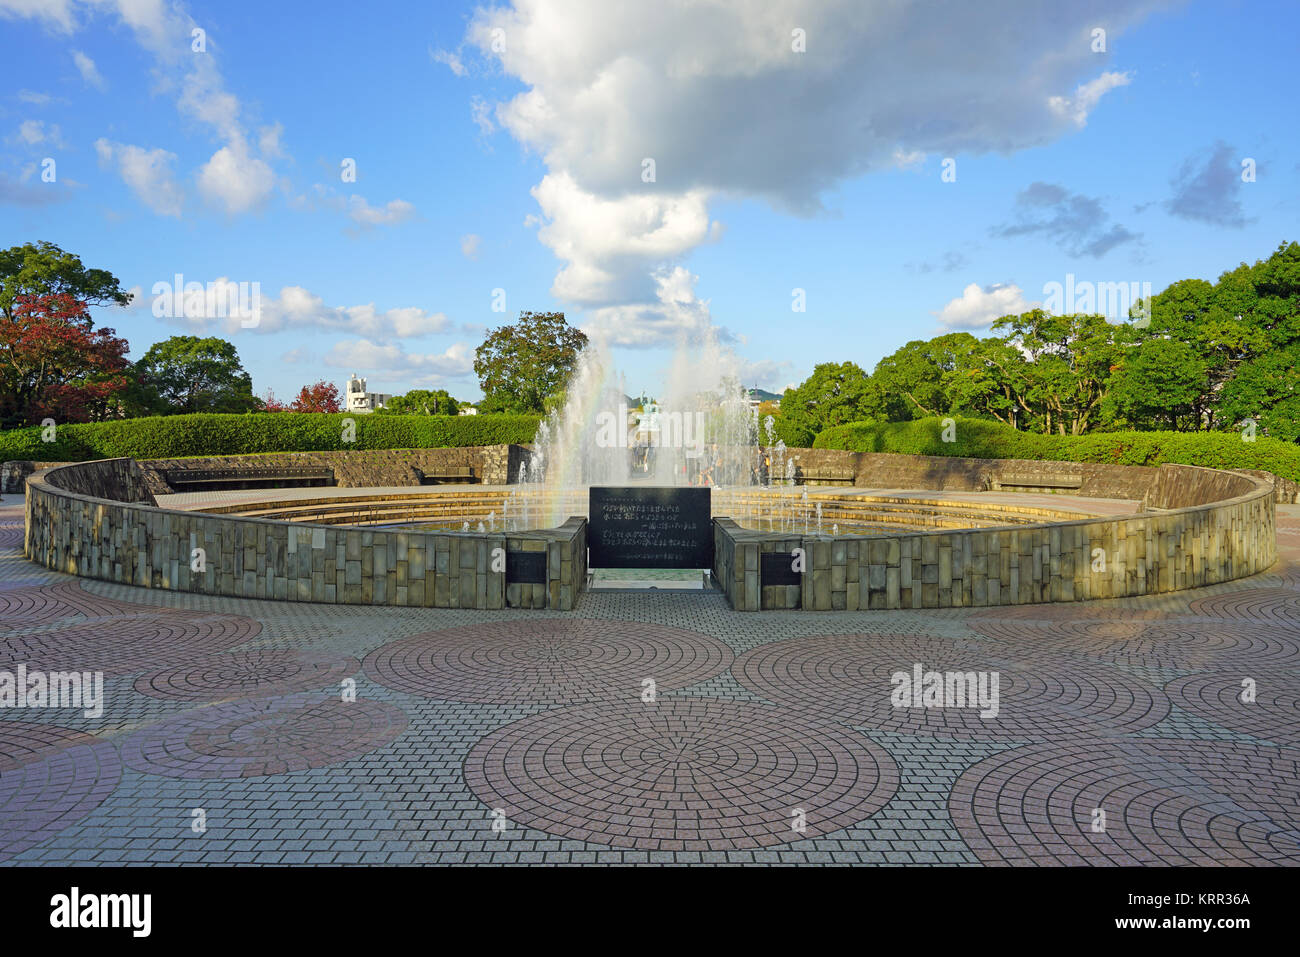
(262, 736)
(556, 661)
(1274, 715)
(1273, 606)
(685, 773)
(1166, 803)
(48, 603)
(1185, 645)
(257, 673)
(848, 678)
(1063, 611)
(50, 778)
(127, 645)
(1064, 635)
(11, 536)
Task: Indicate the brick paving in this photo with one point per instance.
(258, 732)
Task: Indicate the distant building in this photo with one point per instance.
(359, 400)
(755, 398)
(467, 410)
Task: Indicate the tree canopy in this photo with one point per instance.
(1212, 356)
(519, 366)
(422, 402)
(188, 374)
(43, 269)
(54, 364)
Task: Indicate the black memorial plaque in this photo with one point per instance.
(651, 527)
(526, 568)
(777, 568)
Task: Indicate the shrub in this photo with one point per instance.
(982, 439)
(179, 436)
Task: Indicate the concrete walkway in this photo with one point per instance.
(651, 727)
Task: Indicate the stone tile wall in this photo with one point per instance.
(1226, 530)
(74, 527)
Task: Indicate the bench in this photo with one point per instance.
(1024, 480)
(446, 473)
(208, 480)
(825, 476)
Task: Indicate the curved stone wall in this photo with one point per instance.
(99, 520)
(1201, 526)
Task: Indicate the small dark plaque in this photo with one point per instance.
(651, 527)
(526, 568)
(777, 568)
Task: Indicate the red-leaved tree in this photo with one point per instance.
(272, 404)
(54, 363)
(321, 397)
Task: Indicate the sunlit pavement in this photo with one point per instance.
(650, 726)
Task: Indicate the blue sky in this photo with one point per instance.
(502, 149)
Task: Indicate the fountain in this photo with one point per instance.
(702, 432)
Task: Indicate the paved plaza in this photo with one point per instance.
(650, 727)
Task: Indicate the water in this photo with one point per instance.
(702, 432)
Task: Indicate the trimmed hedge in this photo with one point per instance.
(180, 436)
(982, 439)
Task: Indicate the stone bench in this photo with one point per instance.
(825, 475)
(446, 473)
(200, 480)
(1022, 480)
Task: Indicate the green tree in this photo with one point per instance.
(834, 394)
(189, 374)
(1068, 368)
(43, 269)
(519, 366)
(1160, 384)
(1268, 391)
(422, 402)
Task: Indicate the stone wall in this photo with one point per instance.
(73, 527)
(358, 468)
(737, 566)
(14, 474)
(949, 473)
(1200, 540)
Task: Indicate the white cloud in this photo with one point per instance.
(1086, 96)
(36, 133)
(612, 247)
(675, 315)
(268, 141)
(422, 368)
(452, 61)
(717, 97)
(976, 308)
(233, 177)
(236, 180)
(469, 244)
(139, 301)
(89, 72)
(393, 212)
(907, 159)
(297, 309)
(55, 13)
(147, 172)
(481, 110)
(35, 98)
